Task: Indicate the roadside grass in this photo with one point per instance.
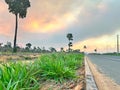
(27, 76)
(15, 76)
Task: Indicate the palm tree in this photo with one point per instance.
(17, 7)
(70, 38)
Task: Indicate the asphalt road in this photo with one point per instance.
(108, 65)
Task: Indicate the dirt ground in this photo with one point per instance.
(103, 82)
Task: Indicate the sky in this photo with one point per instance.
(94, 23)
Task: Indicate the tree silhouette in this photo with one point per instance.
(1, 45)
(70, 38)
(28, 45)
(62, 49)
(52, 49)
(17, 7)
(95, 50)
(85, 47)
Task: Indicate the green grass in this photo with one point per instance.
(58, 67)
(17, 75)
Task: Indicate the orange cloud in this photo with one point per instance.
(42, 25)
(48, 23)
(103, 44)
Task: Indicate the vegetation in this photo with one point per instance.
(58, 67)
(15, 76)
(7, 49)
(28, 46)
(17, 7)
(70, 38)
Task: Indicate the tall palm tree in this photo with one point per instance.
(18, 8)
(70, 38)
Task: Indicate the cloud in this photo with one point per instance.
(51, 15)
(48, 21)
(96, 21)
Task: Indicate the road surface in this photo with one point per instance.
(108, 65)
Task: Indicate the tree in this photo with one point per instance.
(70, 38)
(28, 46)
(9, 44)
(62, 49)
(17, 7)
(85, 47)
(39, 49)
(34, 49)
(52, 49)
(95, 50)
(1, 45)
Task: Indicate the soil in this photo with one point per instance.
(103, 82)
(78, 84)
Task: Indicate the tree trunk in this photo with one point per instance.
(15, 36)
(69, 46)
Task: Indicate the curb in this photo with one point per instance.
(90, 82)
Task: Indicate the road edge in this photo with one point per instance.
(102, 81)
(89, 78)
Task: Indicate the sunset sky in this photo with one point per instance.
(94, 23)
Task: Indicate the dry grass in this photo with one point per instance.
(7, 58)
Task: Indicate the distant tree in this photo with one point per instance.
(52, 49)
(28, 46)
(85, 47)
(62, 49)
(17, 7)
(43, 49)
(76, 51)
(9, 44)
(34, 49)
(39, 49)
(1, 45)
(18, 48)
(7, 47)
(70, 38)
(95, 50)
